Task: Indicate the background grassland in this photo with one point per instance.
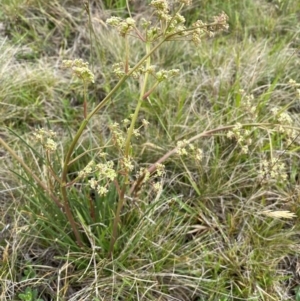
(204, 237)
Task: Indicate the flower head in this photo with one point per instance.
(80, 69)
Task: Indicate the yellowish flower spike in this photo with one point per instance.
(279, 214)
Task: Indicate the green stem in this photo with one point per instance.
(70, 215)
(126, 55)
(139, 104)
(84, 100)
(64, 183)
(117, 219)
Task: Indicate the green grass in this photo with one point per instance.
(206, 236)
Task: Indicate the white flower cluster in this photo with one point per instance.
(80, 69)
(242, 136)
(285, 122)
(123, 26)
(102, 175)
(46, 139)
(272, 170)
(185, 148)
